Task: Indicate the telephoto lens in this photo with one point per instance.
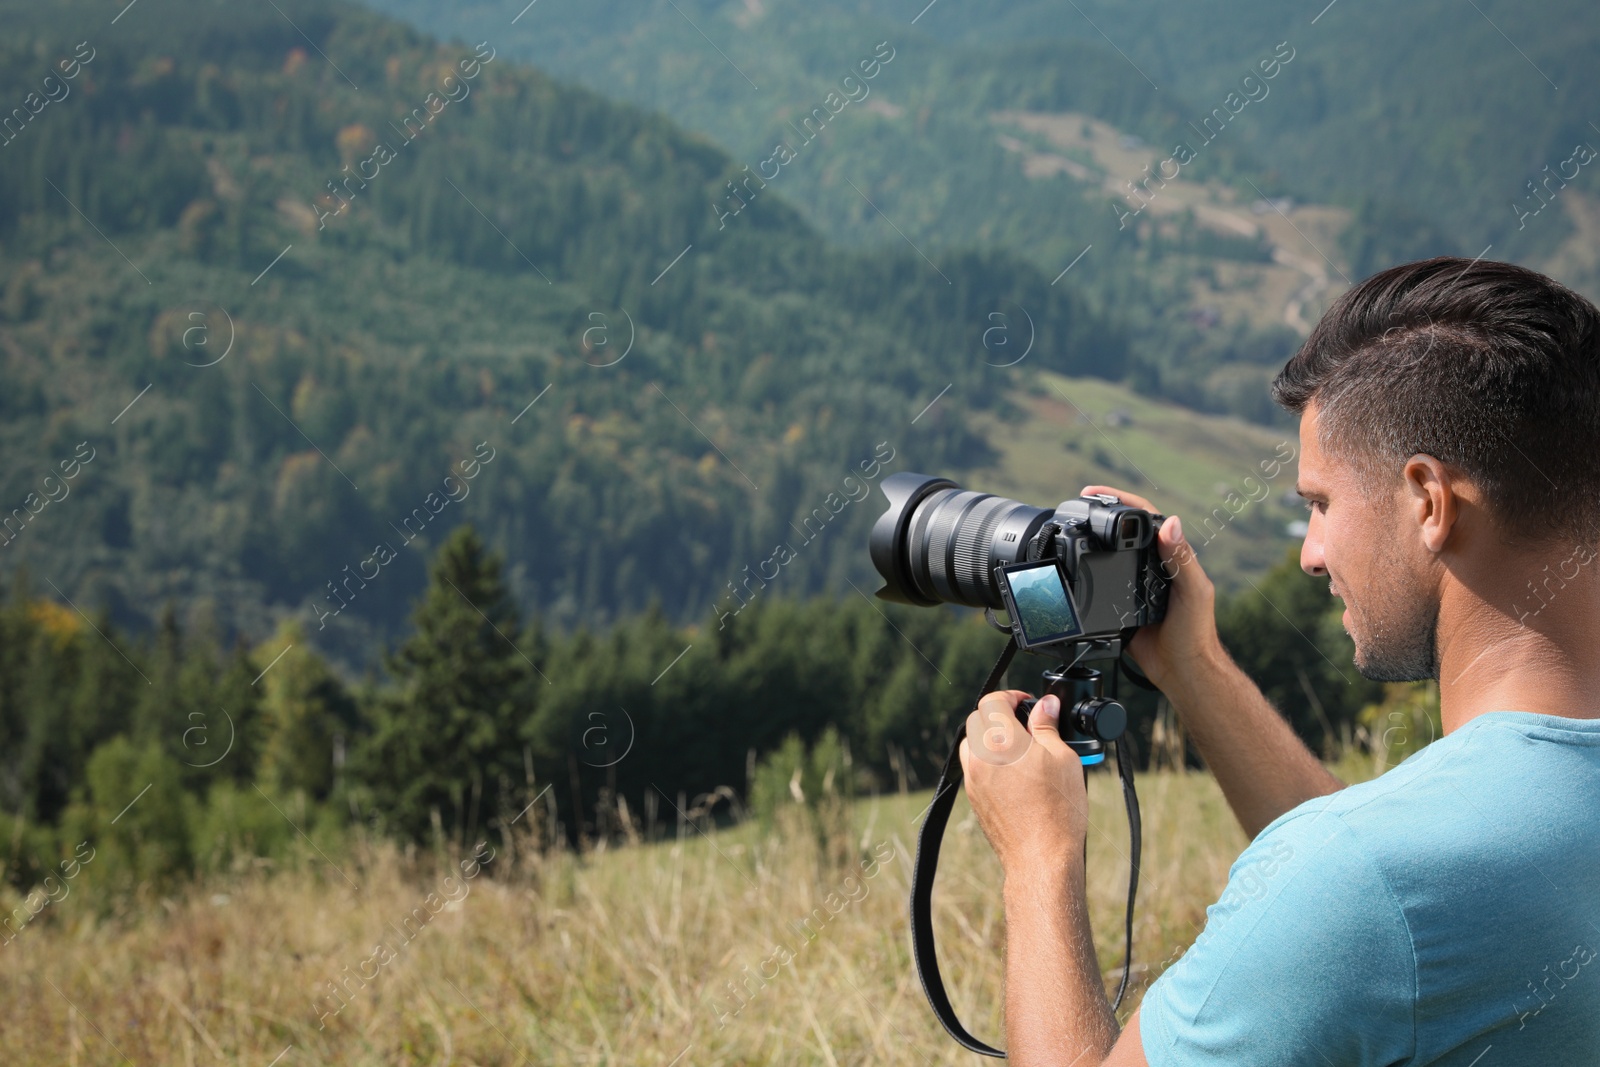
(939, 544)
(1096, 572)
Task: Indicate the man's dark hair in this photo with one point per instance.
(1489, 367)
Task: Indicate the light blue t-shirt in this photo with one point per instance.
(1446, 913)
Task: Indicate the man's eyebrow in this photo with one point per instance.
(1309, 494)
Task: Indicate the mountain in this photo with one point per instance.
(293, 292)
(294, 299)
(1420, 129)
(1434, 111)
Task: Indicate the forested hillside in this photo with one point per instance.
(1434, 114)
(393, 432)
(914, 154)
(288, 301)
(1433, 128)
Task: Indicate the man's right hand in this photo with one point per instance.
(1263, 768)
(1173, 651)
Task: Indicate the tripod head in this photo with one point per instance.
(1088, 717)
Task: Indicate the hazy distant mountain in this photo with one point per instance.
(1427, 121)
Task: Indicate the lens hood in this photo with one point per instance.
(887, 543)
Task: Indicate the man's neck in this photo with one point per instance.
(1534, 649)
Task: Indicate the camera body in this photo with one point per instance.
(1086, 570)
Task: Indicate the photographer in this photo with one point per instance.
(1447, 912)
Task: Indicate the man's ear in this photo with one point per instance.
(1432, 500)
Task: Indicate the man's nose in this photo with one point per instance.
(1311, 558)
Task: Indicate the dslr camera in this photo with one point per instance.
(1074, 581)
(1071, 579)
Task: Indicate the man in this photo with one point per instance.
(1449, 911)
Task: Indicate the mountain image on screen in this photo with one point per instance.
(1042, 604)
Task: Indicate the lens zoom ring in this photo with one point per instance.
(974, 542)
(951, 516)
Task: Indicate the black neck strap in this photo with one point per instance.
(931, 836)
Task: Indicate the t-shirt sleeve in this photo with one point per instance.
(1305, 960)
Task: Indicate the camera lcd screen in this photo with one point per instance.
(1039, 603)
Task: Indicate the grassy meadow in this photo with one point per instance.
(624, 954)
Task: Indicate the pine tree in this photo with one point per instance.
(449, 731)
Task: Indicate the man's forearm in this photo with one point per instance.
(1263, 768)
(1056, 1010)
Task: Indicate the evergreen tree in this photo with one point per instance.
(466, 681)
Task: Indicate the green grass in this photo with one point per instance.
(622, 955)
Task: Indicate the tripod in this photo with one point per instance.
(1089, 718)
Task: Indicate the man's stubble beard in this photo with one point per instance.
(1398, 628)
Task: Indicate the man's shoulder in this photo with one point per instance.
(1402, 919)
(1463, 803)
(1386, 814)
(1306, 937)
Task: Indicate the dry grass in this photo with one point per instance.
(621, 956)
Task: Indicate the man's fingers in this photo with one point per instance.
(996, 736)
(1006, 699)
(1173, 547)
(1044, 722)
(1121, 494)
(995, 733)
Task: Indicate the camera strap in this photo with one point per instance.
(929, 839)
(931, 836)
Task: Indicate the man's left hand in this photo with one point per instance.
(1026, 786)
